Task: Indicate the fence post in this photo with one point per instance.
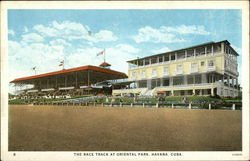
(143, 105)
(157, 105)
(120, 104)
(131, 104)
(233, 107)
(172, 105)
(102, 104)
(94, 103)
(190, 106)
(209, 106)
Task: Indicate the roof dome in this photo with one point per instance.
(105, 64)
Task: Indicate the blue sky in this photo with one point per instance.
(43, 38)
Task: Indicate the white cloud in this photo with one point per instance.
(183, 29)
(116, 56)
(25, 29)
(127, 48)
(74, 31)
(149, 34)
(32, 37)
(59, 42)
(161, 50)
(46, 31)
(105, 35)
(167, 34)
(11, 32)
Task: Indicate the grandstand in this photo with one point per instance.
(84, 80)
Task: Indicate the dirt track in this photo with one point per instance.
(61, 128)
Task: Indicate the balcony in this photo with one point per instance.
(211, 68)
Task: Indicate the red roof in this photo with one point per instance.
(104, 64)
(88, 67)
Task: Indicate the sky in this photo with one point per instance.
(43, 38)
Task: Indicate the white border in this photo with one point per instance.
(124, 5)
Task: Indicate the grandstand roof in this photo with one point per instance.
(65, 71)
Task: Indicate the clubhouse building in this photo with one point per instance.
(205, 69)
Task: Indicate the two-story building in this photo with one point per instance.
(205, 69)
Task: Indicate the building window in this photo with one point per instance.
(190, 52)
(165, 71)
(194, 67)
(133, 75)
(178, 80)
(143, 74)
(166, 58)
(173, 56)
(200, 51)
(154, 73)
(209, 49)
(210, 63)
(140, 62)
(202, 63)
(179, 69)
(217, 48)
(146, 61)
(166, 82)
(181, 55)
(160, 59)
(153, 60)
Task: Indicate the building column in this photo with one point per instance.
(233, 82)
(194, 53)
(143, 62)
(149, 60)
(172, 92)
(175, 56)
(171, 81)
(185, 79)
(222, 47)
(237, 84)
(149, 83)
(205, 51)
(169, 57)
(161, 81)
(200, 92)
(212, 49)
(212, 91)
(185, 54)
(203, 78)
(193, 92)
(228, 82)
